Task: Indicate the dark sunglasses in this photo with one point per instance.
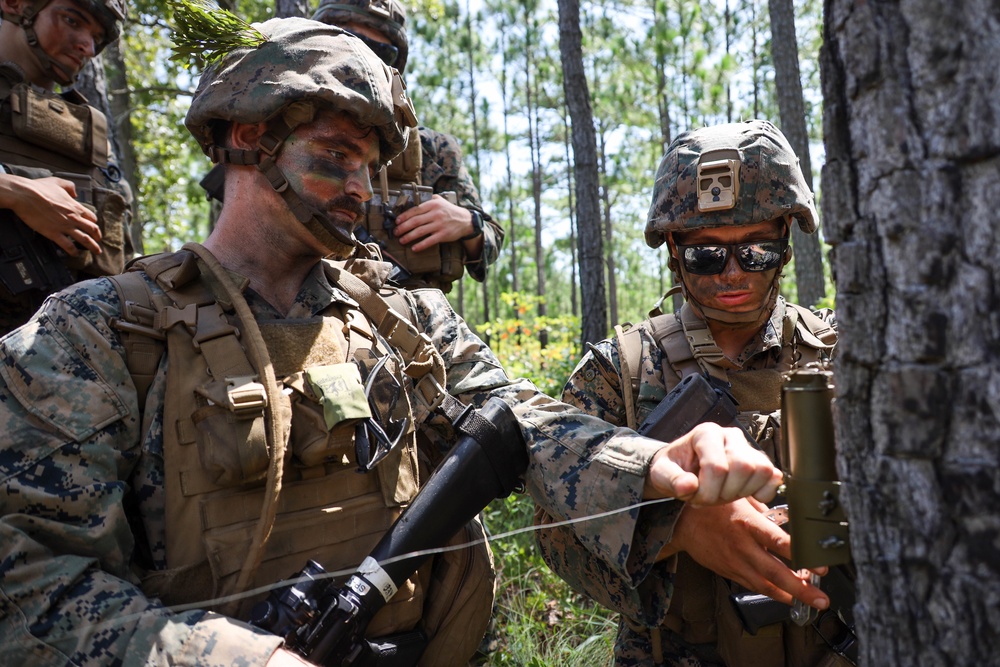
(387, 53)
(711, 258)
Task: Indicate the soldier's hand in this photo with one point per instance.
(711, 465)
(49, 207)
(285, 658)
(435, 221)
(737, 541)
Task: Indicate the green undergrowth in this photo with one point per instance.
(539, 620)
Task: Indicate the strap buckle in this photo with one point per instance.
(244, 394)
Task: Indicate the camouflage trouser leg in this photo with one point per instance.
(635, 647)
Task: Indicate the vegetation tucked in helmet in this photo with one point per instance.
(733, 174)
(386, 16)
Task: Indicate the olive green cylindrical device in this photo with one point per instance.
(817, 522)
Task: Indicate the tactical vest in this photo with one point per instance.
(62, 135)
(700, 612)
(398, 190)
(261, 471)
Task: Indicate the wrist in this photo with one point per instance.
(477, 227)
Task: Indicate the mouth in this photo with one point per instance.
(732, 299)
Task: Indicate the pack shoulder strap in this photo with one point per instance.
(814, 330)
(144, 343)
(630, 358)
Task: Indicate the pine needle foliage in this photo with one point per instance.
(205, 33)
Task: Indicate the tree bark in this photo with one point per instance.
(911, 206)
(595, 314)
(809, 281)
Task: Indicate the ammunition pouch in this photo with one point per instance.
(42, 135)
(76, 131)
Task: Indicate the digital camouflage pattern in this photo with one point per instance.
(595, 387)
(386, 16)
(301, 61)
(82, 498)
(770, 181)
(442, 169)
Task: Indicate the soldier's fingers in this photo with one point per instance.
(85, 240)
(666, 479)
(65, 242)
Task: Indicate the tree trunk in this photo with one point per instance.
(588, 215)
(609, 234)
(809, 281)
(911, 204)
(574, 268)
(535, 146)
(475, 142)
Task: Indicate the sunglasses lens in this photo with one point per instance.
(705, 260)
(761, 255)
(708, 260)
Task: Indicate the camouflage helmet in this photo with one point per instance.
(302, 61)
(109, 13)
(733, 174)
(386, 16)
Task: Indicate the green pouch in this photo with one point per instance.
(340, 391)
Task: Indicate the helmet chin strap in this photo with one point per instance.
(749, 320)
(340, 243)
(27, 22)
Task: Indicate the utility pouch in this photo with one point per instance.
(78, 131)
(113, 217)
(229, 425)
(327, 403)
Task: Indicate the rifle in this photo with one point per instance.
(696, 399)
(326, 624)
(30, 264)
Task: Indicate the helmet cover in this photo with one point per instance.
(386, 16)
(732, 174)
(301, 61)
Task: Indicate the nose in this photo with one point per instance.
(359, 185)
(86, 44)
(732, 269)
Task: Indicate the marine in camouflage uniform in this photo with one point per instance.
(441, 167)
(734, 180)
(59, 191)
(86, 471)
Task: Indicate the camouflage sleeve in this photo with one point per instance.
(443, 170)
(580, 466)
(644, 593)
(70, 439)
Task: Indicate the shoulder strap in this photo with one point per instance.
(814, 331)
(423, 361)
(144, 344)
(630, 357)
